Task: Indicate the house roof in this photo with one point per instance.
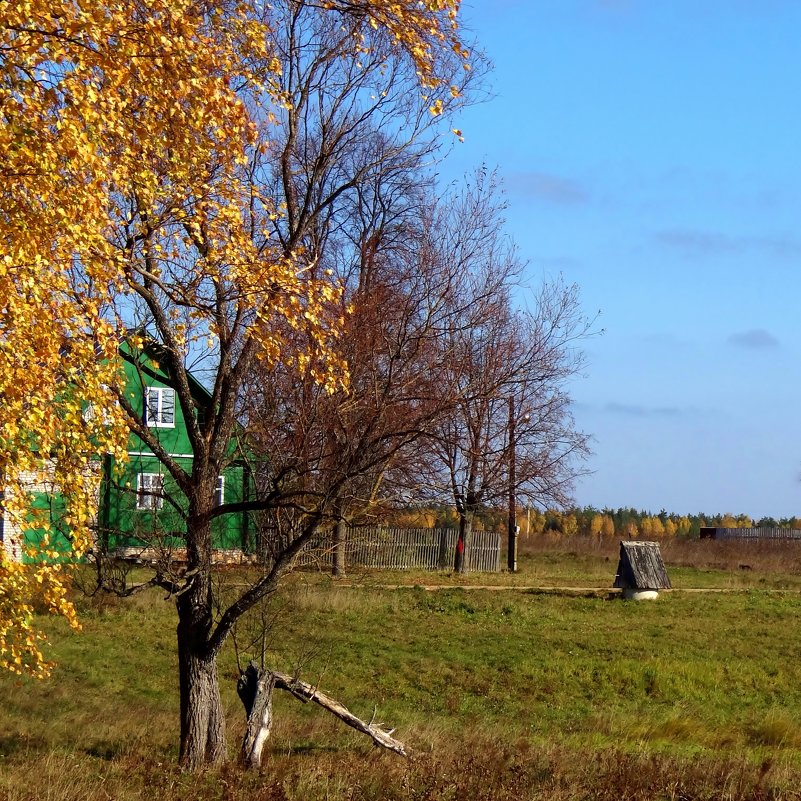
(154, 351)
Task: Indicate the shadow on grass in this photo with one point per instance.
(107, 750)
(299, 749)
(15, 744)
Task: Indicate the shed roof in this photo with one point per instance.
(641, 567)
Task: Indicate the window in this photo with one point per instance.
(90, 411)
(160, 407)
(150, 491)
(219, 491)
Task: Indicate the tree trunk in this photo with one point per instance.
(202, 720)
(340, 536)
(442, 561)
(255, 689)
(461, 563)
(338, 567)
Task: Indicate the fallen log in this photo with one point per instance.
(305, 692)
(255, 688)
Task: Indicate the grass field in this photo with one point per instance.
(512, 694)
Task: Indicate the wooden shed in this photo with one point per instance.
(641, 572)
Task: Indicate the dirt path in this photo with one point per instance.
(599, 591)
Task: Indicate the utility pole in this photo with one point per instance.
(511, 553)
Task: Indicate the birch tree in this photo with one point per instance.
(132, 140)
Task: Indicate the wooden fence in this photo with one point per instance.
(377, 548)
(382, 548)
(720, 533)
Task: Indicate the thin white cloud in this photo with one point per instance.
(695, 243)
(636, 410)
(548, 188)
(755, 339)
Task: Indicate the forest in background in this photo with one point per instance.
(625, 523)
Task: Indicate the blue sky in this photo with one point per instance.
(651, 153)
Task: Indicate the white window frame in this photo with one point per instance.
(155, 411)
(149, 492)
(89, 413)
(219, 491)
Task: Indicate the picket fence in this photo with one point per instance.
(382, 548)
(376, 547)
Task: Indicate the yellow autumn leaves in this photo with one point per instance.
(24, 590)
(126, 133)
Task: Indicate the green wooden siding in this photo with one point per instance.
(48, 505)
(121, 520)
(128, 525)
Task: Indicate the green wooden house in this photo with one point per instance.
(139, 507)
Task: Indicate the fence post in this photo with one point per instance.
(444, 552)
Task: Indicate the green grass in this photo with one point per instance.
(511, 694)
(581, 562)
(534, 664)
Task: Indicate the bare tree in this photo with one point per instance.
(501, 358)
(353, 168)
(355, 136)
(410, 300)
(340, 447)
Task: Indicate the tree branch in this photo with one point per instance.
(306, 692)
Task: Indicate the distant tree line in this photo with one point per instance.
(606, 523)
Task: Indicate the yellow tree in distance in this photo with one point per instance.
(128, 129)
